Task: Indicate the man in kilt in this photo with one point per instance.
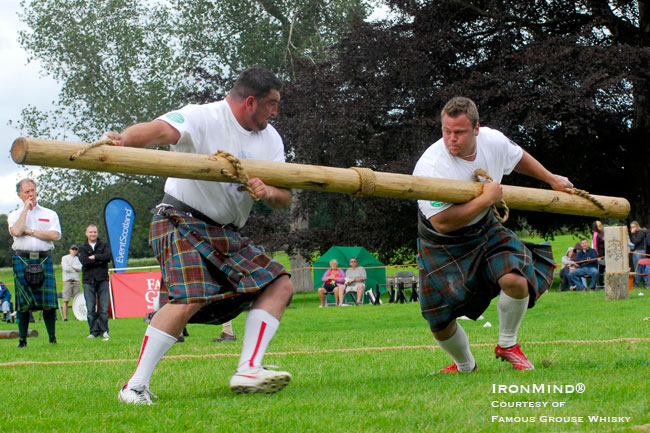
(465, 256)
(34, 229)
(210, 271)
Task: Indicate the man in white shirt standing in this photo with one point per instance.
(465, 256)
(211, 272)
(71, 267)
(34, 229)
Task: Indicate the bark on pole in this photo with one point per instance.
(51, 153)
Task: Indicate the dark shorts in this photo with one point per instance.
(329, 288)
(205, 263)
(28, 298)
(461, 279)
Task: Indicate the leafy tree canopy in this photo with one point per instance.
(568, 82)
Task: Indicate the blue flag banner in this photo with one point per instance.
(119, 216)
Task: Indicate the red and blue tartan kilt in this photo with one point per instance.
(40, 298)
(205, 263)
(462, 279)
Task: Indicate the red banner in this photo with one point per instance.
(134, 292)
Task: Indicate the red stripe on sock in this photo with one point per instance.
(144, 344)
(257, 345)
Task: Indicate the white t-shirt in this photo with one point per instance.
(39, 218)
(495, 153)
(205, 129)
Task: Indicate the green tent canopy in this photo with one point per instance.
(375, 270)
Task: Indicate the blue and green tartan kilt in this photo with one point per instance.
(204, 263)
(462, 279)
(28, 298)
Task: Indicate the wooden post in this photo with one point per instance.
(617, 263)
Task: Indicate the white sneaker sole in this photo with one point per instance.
(270, 385)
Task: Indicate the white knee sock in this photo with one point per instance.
(259, 328)
(511, 312)
(458, 347)
(154, 346)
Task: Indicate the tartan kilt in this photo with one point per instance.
(204, 263)
(28, 298)
(462, 279)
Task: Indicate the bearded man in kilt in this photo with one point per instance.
(465, 256)
(210, 272)
(34, 229)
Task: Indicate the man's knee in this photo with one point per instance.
(283, 287)
(514, 285)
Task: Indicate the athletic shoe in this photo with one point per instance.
(225, 337)
(106, 336)
(91, 336)
(259, 379)
(22, 342)
(453, 368)
(514, 356)
(52, 339)
(138, 395)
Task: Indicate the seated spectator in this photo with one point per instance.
(5, 302)
(568, 264)
(637, 237)
(355, 281)
(332, 279)
(586, 259)
(598, 243)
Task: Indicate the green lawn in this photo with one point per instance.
(356, 369)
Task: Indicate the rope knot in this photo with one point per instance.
(240, 174)
(480, 173)
(368, 182)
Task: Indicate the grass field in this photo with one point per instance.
(356, 369)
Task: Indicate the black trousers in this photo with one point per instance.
(97, 303)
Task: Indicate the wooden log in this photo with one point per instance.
(51, 153)
(617, 263)
(16, 334)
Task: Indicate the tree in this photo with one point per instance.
(6, 240)
(125, 61)
(566, 81)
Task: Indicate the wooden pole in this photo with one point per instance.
(112, 159)
(617, 263)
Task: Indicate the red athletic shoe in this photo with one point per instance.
(514, 356)
(453, 368)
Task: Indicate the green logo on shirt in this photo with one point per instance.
(436, 203)
(176, 117)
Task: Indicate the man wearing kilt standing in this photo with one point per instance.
(210, 271)
(34, 229)
(465, 256)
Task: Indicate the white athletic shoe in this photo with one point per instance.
(259, 379)
(106, 336)
(138, 395)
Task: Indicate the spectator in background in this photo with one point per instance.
(355, 281)
(637, 237)
(5, 302)
(587, 266)
(71, 267)
(94, 255)
(598, 243)
(34, 229)
(568, 264)
(332, 280)
(227, 334)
